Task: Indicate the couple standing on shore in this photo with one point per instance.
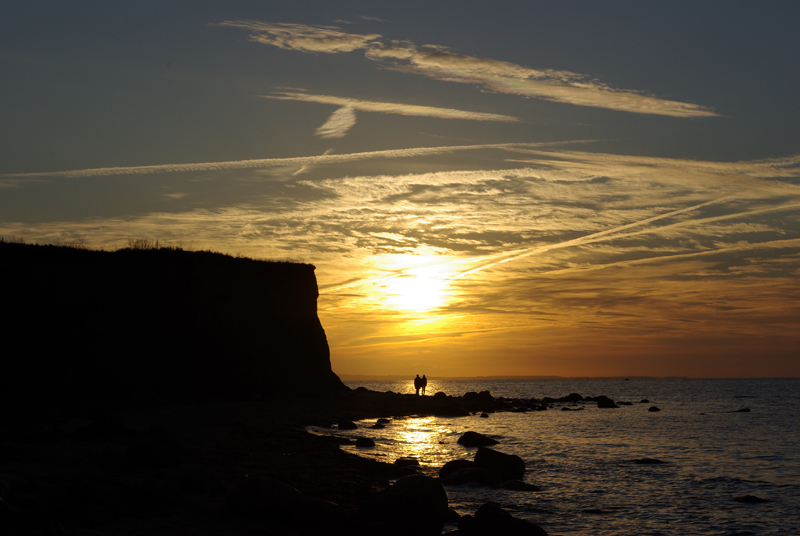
(420, 383)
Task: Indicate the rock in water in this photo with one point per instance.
(474, 439)
(752, 499)
(519, 485)
(454, 465)
(364, 442)
(491, 520)
(508, 466)
(473, 475)
(605, 402)
(344, 424)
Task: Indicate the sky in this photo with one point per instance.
(485, 188)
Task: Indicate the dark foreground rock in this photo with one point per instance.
(414, 505)
(492, 520)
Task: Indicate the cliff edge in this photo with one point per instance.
(164, 322)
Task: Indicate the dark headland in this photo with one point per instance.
(162, 391)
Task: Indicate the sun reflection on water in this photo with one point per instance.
(428, 439)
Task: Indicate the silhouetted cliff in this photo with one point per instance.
(137, 322)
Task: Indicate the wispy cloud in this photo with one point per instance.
(338, 123)
(392, 107)
(571, 246)
(557, 86)
(328, 39)
(493, 75)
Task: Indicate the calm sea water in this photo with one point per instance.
(582, 460)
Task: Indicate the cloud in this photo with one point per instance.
(392, 107)
(571, 248)
(338, 123)
(266, 162)
(556, 86)
(327, 39)
(493, 75)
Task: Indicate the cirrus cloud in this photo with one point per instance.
(494, 75)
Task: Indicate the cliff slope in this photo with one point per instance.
(139, 322)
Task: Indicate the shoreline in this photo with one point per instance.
(169, 467)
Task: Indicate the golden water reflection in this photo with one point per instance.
(432, 441)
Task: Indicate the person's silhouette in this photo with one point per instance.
(417, 384)
(423, 383)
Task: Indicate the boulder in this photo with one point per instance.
(383, 421)
(644, 401)
(449, 410)
(653, 409)
(508, 466)
(474, 439)
(453, 466)
(473, 475)
(491, 520)
(519, 485)
(414, 505)
(407, 462)
(484, 415)
(572, 397)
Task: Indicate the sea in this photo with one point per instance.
(583, 461)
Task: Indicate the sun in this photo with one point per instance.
(418, 289)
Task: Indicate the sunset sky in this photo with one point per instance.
(486, 188)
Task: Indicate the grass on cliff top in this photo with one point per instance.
(136, 244)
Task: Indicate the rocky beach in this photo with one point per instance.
(219, 466)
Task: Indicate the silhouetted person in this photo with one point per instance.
(423, 382)
(417, 384)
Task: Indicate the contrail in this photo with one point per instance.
(588, 239)
(271, 162)
(511, 256)
(772, 244)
